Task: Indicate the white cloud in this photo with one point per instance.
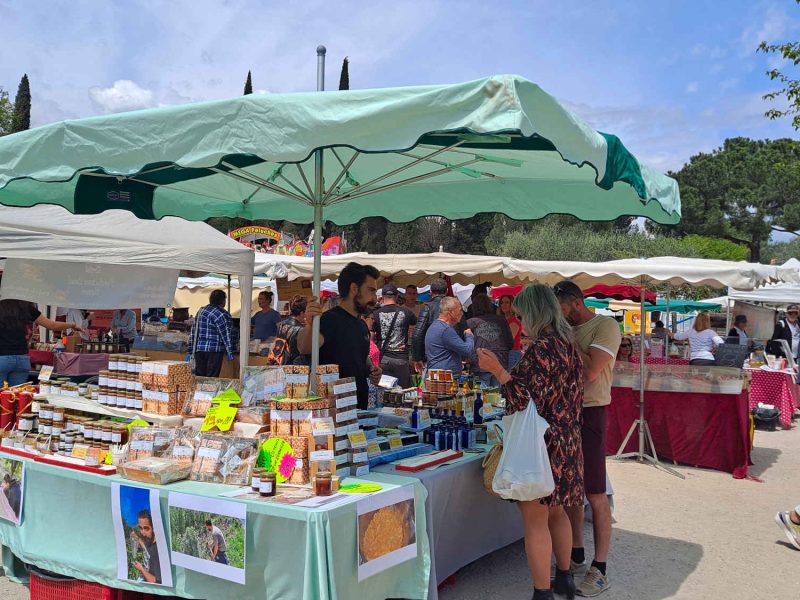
(124, 95)
(692, 87)
(771, 29)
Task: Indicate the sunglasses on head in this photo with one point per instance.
(626, 345)
(559, 290)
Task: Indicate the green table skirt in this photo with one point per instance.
(291, 552)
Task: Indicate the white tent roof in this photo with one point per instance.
(781, 293)
(463, 266)
(664, 269)
(117, 237)
(221, 283)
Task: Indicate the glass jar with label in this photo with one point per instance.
(130, 399)
(58, 415)
(138, 401)
(255, 480)
(102, 378)
(116, 434)
(113, 364)
(322, 483)
(45, 426)
(25, 422)
(55, 388)
(267, 484)
(46, 412)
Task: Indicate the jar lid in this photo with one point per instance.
(267, 474)
(323, 475)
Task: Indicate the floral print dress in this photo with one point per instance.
(550, 374)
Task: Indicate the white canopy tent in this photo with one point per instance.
(643, 273)
(779, 293)
(463, 268)
(112, 260)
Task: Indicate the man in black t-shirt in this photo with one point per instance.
(391, 327)
(343, 335)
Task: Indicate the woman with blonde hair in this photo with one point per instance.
(550, 374)
(702, 340)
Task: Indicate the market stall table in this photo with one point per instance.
(777, 388)
(291, 552)
(464, 521)
(74, 364)
(41, 357)
(705, 430)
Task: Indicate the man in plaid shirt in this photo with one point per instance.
(211, 336)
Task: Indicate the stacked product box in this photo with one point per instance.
(166, 386)
(344, 401)
(368, 422)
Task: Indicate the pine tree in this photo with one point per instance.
(21, 117)
(248, 85)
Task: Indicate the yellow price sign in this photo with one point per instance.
(395, 442)
(373, 449)
(229, 396)
(221, 417)
(137, 423)
(357, 439)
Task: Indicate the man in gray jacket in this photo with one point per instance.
(427, 316)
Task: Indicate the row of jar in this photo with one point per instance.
(66, 388)
(131, 399)
(125, 363)
(119, 381)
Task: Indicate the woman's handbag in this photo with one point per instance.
(524, 471)
(490, 462)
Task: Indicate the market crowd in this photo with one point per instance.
(543, 347)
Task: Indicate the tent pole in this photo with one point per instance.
(642, 356)
(727, 315)
(229, 295)
(669, 315)
(246, 291)
(319, 192)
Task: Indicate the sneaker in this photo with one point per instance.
(593, 584)
(575, 567)
(791, 529)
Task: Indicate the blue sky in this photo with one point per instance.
(670, 78)
(133, 500)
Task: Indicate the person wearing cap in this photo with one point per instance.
(427, 317)
(391, 326)
(739, 330)
(786, 329)
(598, 339)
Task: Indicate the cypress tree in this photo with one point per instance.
(21, 117)
(248, 85)
(344, 78)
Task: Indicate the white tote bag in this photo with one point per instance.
(524, 471)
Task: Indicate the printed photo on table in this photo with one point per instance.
(142, 552)
(387, 534)
(208, 535)
(12, 485)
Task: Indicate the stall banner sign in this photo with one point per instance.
(44, 374)
(277, 456)
(633, 322)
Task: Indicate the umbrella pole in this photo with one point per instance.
(669, 328)
(641, 455)
(318, 192)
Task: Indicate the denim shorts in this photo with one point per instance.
(14, 369)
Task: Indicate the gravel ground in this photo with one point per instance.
(709, 536)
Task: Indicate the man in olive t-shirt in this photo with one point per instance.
(598, 339)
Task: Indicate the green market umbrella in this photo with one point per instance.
(499, 144)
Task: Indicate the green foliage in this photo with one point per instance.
(553, 240)
(789, 88)
(6, 111)
(21, 117)
(783, 251)
(741, 192)
(701, 246)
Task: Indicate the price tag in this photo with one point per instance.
(137, 423)
(220, 416)
(322, 425)
(424, 418)
(44, 374)
(395, 442)
(79, 451)
(357, 439)
(373, 449)
(229, 396)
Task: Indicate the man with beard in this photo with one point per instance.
(598, 339)
(344, 337)
(150, 567)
